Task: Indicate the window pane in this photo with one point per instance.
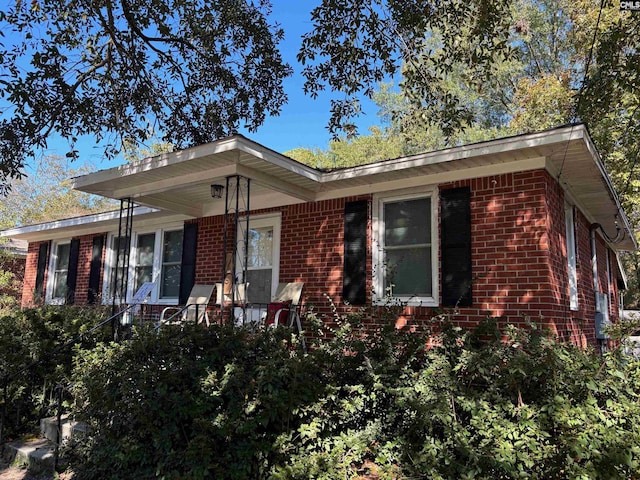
(260, 247)
(61, 270)
(407, 222)
(259, 286)
(60, 284)
(63, 257)
(170, 281)
(144, 250)
(143, 274)
(172, 249)
(408, 272)
(171, 264)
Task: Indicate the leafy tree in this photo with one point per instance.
(115, 68)
(354, 45)
(11, 280)
(379, 145)
(133, 151)
(46, 195)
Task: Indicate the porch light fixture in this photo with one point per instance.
(216, 191)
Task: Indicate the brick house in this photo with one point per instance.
(521, 227)
(13, 256)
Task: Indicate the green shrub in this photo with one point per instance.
(227, 403)
(32, 361)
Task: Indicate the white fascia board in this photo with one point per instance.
(535, 163)
(492, 147)
(151, 163)
(275, 158)
(237, 142)
(622, 216)
(68, 223)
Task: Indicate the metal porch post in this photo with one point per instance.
(120, 274)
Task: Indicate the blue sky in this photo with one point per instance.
(303, 120)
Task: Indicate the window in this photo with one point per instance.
(171, 264)
(571, 256)
(405, 259)
(154, 257)
(60, 270)
(145, 248)
(262, 258)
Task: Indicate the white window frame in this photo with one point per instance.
(570, 245)
(53, 262)
(380, 297)
(157, 264)
(262, 221)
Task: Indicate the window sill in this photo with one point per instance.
(406, 301)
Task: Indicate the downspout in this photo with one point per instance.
(601, 318)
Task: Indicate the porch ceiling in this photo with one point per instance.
(180, 182)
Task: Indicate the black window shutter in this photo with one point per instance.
(455, 207)
(354, 281)
(43, 259)
(95, 269)
(72, 274)
(188, 268)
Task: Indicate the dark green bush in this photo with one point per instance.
(32, 361)
(227, 403)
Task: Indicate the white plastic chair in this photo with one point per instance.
(289, 294)
(194, 311)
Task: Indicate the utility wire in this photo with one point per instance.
(584, 81)
(588, 63)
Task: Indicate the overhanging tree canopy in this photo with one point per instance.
(195, 70)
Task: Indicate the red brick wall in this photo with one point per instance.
(84, 268)
(82, 280)
(518, 256)
(513, 278)
(209, 256)
(519, 261)
(311, 249)
(30, 272)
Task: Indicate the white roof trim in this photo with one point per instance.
(73, 222)
(490, 147)
(236, 142)
(301, 182)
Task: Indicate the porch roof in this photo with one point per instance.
(178, 183)
(90, 224)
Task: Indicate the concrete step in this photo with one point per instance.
(69, 428)
(37, 455)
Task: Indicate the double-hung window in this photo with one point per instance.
(155, 256)
(145, 248)
(171, 264)
(60, 272)
(405, 253)
(263, 258)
